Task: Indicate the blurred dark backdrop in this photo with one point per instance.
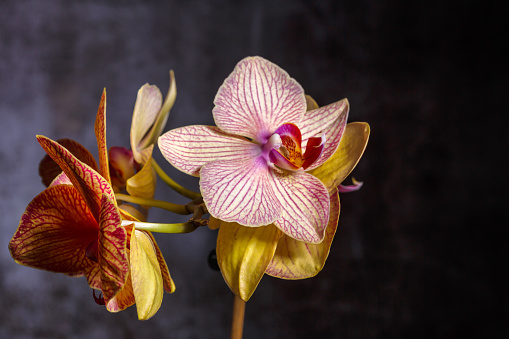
(416, 254)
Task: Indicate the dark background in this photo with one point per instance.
(418, 252)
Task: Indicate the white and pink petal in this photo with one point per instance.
(328, 120)
(189, 148)
(306, 205)
(241, 191)
(257, 98)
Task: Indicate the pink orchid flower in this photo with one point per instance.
(253, 166)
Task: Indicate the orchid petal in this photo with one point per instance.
(168, 284)
(122, 299)
(48, 168)
(100, 134)
(306, 206)
(243, 254)
(145, 275)
(281, 161)
(125, 297)
(338, 167)
(143, 183)
(240, 191)
(189, 148)
(310, 103)
(147, 106)
(162, 117)
(256, 98)
(87, 181)
(298, 260)
(55, 231)
(356, 185)
(61, 179)
(112, 254)
(214, 223)
(121, 165)
(329, 120)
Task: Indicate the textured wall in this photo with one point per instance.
(410, 259)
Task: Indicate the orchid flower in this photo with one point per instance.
(256, 172)
(75, 227)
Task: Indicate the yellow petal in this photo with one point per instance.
(100, 134)
(143, 183)
(145, 275)
(243, 254)
(168, 284)
(297, 260)
(352, 146)
(311, 103)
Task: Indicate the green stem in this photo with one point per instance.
(169, 181)
(175, 208)
(185, 227)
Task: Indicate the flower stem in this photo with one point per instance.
(239, 308)
(175, 208)
(185, 227)
(169, 181)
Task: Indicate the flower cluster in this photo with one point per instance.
(270, 173)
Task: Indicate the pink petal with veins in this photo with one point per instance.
(256, 98)
(306, 206)
(329, 120)
(240, 191)
(189, 148)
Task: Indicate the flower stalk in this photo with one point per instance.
(239, 309)
(175, 208)
(170, 182)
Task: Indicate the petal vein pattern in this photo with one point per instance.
(189, 148)
(306, 202)
(88, 182)
(240, 191)
(55, 231)
(329, 120)
(256, 98)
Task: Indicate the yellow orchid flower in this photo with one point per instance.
(75, 227)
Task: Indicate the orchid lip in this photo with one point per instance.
(91, 251)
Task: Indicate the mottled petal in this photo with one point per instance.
(240, 191)
(121, 165)
(352, 146)
(143, 183)
(55, 231)
(298, 260)
(243, 254)
(329, 120)
(306, 206)
(257, 98)
(145, 275)
(189, 148)
(87, 181)
(61, 179)
(147, 106)
(49, 169)
(112, 255)
(100, 134)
